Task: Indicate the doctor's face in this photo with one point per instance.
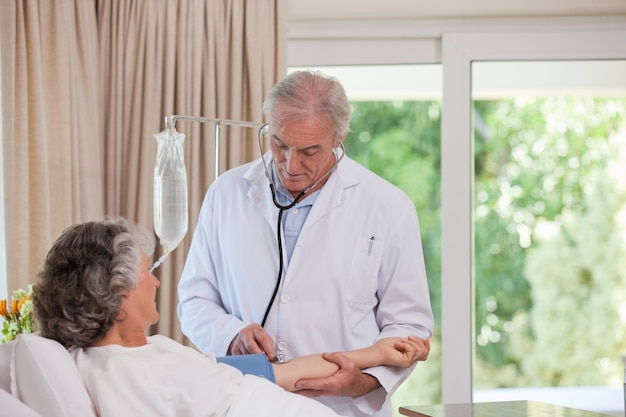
(302, 151)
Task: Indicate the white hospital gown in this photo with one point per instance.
(165, 378)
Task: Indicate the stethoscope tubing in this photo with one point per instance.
(281, 210)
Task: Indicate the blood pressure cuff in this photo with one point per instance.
(254, 364)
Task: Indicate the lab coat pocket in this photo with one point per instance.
(366, 259)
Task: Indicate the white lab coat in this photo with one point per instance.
(356, 274)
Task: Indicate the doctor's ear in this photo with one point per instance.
(339, 140)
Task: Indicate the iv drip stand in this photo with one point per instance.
(170, 121)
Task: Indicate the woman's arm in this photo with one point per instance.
(390, 351)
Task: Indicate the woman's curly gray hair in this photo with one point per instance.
(78, 293)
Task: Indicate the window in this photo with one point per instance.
(549, 231)
(459, 51)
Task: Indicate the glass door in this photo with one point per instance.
(549, 222)
(466, 307)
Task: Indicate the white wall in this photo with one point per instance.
(348, 32)
(366, 9)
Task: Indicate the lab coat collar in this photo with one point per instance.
(332, 194)
(336, 190)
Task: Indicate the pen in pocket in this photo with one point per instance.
(369, 250)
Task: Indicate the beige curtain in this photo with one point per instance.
(215, 59)
(85, 86)
(52, 127)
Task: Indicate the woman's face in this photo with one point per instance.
(140, 304)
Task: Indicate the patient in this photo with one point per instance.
(96, 296)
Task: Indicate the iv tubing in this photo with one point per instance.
(170, 122)
(160, 261)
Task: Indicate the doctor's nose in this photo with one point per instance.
(292, 160)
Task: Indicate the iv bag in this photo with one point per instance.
(170, 189)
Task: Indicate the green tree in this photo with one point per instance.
(577, 272)
(535, 159)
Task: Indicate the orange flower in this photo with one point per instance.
(16, 315)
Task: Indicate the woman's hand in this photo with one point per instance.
(403, 352)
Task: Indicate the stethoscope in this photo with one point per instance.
(281, 208)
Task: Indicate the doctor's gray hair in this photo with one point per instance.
(309, 93)
(78, 292)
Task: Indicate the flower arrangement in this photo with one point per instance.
(18, 316)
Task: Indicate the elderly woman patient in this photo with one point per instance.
(96, 296)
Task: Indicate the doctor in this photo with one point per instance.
(326, 258)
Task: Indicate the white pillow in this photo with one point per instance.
(45, 378)
(12, 407)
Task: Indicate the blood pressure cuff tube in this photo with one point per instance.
(253, 364)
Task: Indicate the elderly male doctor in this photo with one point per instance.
(337, 267)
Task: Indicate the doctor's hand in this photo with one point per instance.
(253, 339)
(348, 381)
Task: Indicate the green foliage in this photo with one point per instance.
(577, 271)
(540, 162)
